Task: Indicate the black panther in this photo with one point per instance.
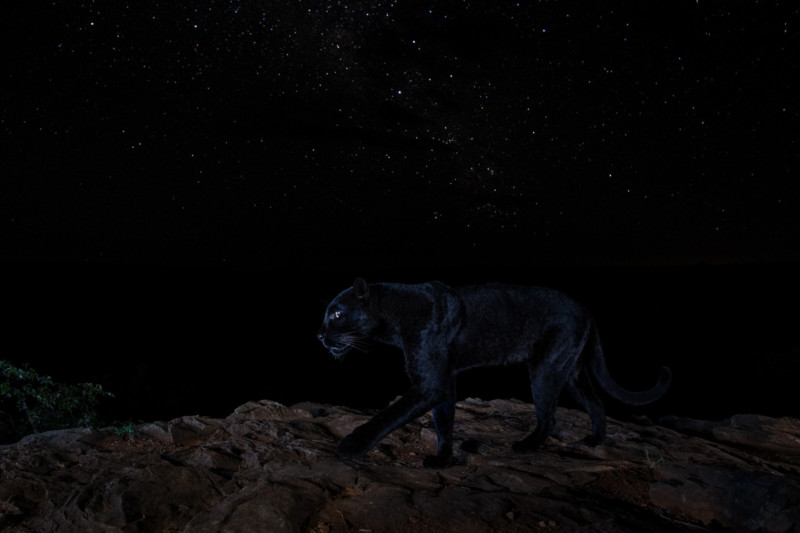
(444, 330)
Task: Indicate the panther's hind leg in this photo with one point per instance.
(549, 375)
(443, 420)
(546, 392)
(582, 391)
(545, 422)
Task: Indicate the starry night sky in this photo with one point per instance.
(185, 177)
(409, 133)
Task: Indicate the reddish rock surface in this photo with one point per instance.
(268, 467)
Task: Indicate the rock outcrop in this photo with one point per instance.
(268, 467)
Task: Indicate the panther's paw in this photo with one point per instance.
(350, 448)
(525, 446)
(593, 440)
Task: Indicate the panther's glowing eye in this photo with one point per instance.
(335, 315)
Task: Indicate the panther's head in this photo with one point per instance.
(348, 321)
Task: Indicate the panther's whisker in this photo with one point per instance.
(359, 343)
(361, 332)
(359, 348)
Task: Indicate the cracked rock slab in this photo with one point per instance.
(270, 467)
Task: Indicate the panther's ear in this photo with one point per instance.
(361, 289)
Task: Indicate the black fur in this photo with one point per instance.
(444, 330)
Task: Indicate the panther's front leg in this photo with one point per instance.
(353, 447)
(409, 407)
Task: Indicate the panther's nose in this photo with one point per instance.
(321, 337)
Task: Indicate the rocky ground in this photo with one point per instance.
(268, 467)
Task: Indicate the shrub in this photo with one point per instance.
(30, 403)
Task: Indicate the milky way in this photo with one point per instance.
(287, 132)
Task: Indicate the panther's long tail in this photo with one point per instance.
(597, 366)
